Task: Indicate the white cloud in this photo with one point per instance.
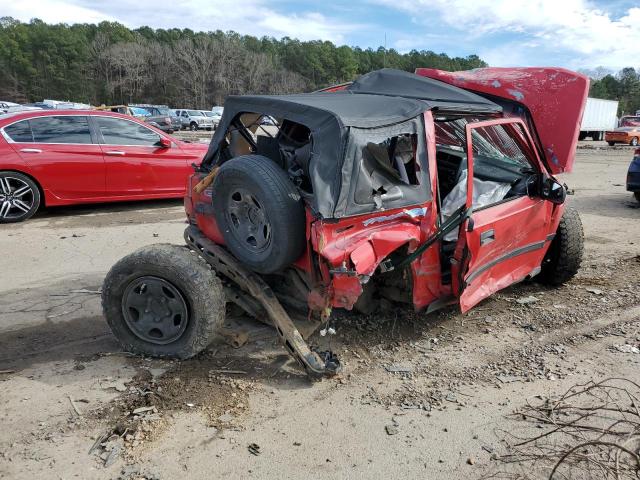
(576, 26)
(252, 17)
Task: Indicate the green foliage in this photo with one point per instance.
(624, 87)
(110, 63)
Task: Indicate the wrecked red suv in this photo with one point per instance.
(425, 189)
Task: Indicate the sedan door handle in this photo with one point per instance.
(30, 150)
(487, 236)
(115, 153)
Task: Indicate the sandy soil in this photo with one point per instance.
(66, 387)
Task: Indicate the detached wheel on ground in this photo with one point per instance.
(163, 301)
(260, 213)
(19, 197)
(565, 252)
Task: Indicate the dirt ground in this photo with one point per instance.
(428, 396)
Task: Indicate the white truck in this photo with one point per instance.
(598, 117)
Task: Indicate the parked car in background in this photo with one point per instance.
(214, 119)
(633, 175)
(626, 135)
(194, 119)
(21, 108)
(4, 106)
(65, 157)
(629, 121)
(217, 113)
(147, 113)
(160, 116)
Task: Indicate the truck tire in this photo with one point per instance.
(163, 301)
(564, 256)
(259, 212)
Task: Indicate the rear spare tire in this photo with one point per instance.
(163, 301)
(564, 256)
(259, 212)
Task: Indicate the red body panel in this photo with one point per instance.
(555, 98)
(506, 242)
(74, 174)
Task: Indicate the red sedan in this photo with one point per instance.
(68, 157)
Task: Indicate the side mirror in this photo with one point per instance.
(552, 190)
(165, 142)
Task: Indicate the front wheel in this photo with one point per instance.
(193, 127)
(19, 197)
(634, 142)
(611, 144)
(163, 301)
(637, 195)
(563, 259)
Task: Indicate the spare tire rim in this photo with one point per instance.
(16, 198)
(154, 310)
(248, 220)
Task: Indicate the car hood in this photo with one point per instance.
(554, 100)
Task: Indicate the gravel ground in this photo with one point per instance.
(421, 396)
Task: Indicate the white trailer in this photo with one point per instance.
(598, 117)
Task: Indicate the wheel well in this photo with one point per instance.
(34, 180)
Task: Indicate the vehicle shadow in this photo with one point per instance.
(107, 208)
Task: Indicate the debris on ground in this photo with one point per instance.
(391, 429)
(254, 449)
(527, 300)
(626, 348)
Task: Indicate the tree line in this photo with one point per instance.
(623, 86)
(112, 64)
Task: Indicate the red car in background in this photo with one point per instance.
(73, 157)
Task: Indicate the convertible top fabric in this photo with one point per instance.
(376, 100)
(438, 95)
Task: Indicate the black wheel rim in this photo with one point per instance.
(154, 309)
(16, 198)
(248, 220)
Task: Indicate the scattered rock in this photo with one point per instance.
(595, 291)
(527, 300)
(226, 418)
(398, 369)
(254, 449)
(391, 429)
(471, 461)
(626, 348)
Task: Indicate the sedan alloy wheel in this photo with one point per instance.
(19, 197)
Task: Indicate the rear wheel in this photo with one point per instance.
(163, 301)
(637, 195)
(564, 256)
(19, 197)
(611, 144)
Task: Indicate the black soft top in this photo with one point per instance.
(379, 99)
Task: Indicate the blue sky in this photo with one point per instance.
(570, 33)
